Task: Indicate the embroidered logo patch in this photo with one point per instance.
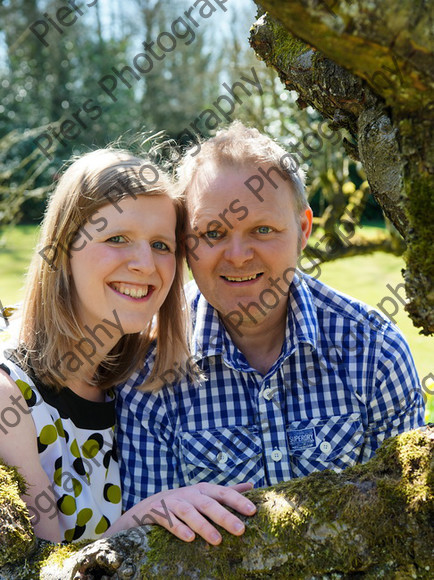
(302, 439)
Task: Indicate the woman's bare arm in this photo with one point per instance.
(18, 447)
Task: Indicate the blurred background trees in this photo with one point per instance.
(41, 86)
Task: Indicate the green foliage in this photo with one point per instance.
(43, 87)
(46, 88)
(21, 178)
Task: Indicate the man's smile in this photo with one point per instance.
(239, 279)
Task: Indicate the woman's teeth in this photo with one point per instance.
(133, 292)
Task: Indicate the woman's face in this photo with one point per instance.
(123, 264)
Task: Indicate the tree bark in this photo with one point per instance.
(368, 67)
(370, 521)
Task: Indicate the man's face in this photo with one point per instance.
(243, 251)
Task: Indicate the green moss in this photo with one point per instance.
(419, 256)
(322, 523)
(16, 533)
(374, 520)
(56, 554)
(29, 568)
(14, 475)
(19, 550)
(47, 555)
(420, 208)
(285, 48)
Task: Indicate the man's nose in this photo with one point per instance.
(238, 250)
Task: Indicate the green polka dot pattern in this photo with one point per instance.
(102, 526)
(67, 505)
(92, 446)
(74, 448)
(27, 392)
(59, 428)
(112, 493)
(81, 463)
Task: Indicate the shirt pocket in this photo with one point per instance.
(331, 443)
(223, 456)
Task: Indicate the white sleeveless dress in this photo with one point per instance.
(77, 451)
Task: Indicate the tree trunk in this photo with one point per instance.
(368, 66)
(370, 521)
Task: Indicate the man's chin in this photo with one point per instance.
(241, 318)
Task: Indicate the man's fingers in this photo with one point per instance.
(213, 510)
(242, 487)
(160, 511)
(229, 496)
(182, 511)
(174, 525)
(190, 515)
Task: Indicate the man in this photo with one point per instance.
(296, 376)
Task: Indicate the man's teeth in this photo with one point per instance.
(241, 279)
(133, 292)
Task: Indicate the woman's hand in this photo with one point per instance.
(182, 511)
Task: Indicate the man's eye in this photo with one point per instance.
(213, 235)
(161, 246)
(117, 239)
(264, 230)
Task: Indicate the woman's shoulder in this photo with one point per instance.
(13, 376)
(9, 364)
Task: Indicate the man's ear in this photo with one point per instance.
(306, 226)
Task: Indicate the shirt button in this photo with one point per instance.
(222, 457)
(268, 394)
(325, 446)
(276, 455)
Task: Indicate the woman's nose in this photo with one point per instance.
(142, 258)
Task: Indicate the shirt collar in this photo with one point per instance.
(302, 320)
(210, 337)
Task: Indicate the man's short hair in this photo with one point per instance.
(241, 146)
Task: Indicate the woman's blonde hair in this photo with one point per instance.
(49, 327)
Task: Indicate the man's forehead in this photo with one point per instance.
(203, 184)
(213, 180)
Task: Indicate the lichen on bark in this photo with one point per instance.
(371, 521)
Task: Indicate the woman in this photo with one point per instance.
(107, 262)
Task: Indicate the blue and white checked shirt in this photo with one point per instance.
(344, 381)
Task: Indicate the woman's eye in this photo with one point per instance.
(117, 239)
(264, 230)
(161, 246)
(214, 235)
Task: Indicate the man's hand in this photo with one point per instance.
(182, 511)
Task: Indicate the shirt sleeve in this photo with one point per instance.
(146, 444)
(397, 403)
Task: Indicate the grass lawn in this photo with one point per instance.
(16, 248)
(373, 279)
(368, 278)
